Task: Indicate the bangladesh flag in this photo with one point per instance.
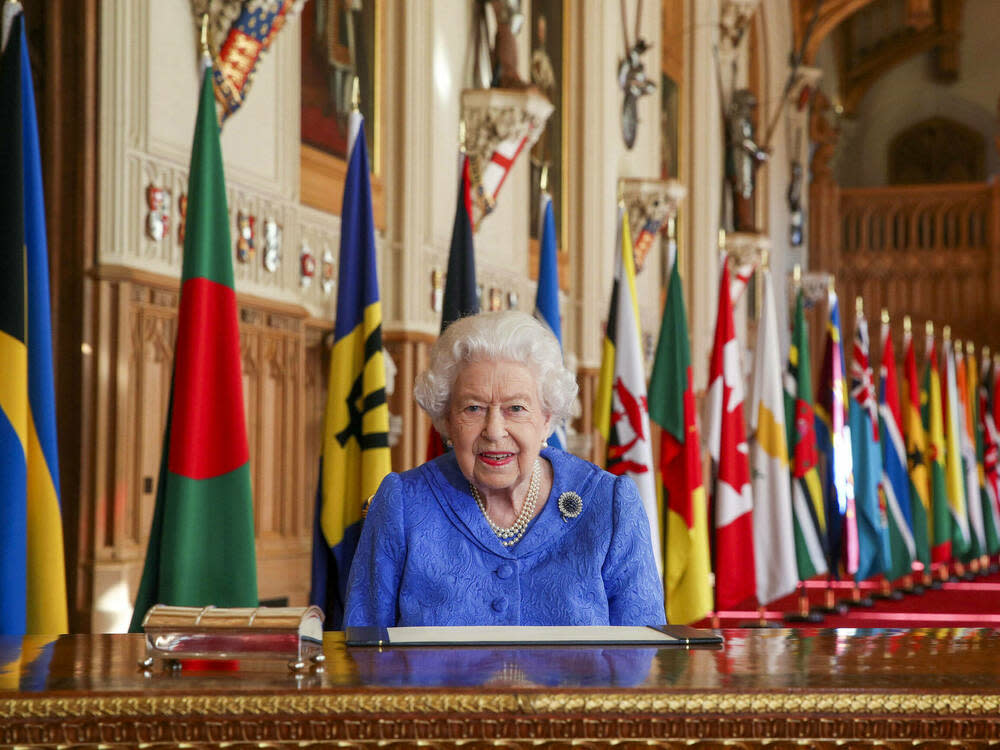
(201, 546)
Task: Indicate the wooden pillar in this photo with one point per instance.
(65, 69)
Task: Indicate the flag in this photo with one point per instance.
(916, 453)
(873, 524)
(547, 294)
(32, 566)
(954, 473)
(735, 577)
(773, 535)
(621, 394)
(991, 527)
(460, 296)
(933, 420)
(740, 280)
(490, 172)
(988, 451)
(356, 422)
(687, 581)
(833, 437)
(970, 467)
(895, 483)
(201, 545)
(807, 493)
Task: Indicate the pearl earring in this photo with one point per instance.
(545, 443)
(448, 443)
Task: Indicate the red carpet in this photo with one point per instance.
(956, 604)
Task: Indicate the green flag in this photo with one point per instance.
(201, 545)
(808, 510)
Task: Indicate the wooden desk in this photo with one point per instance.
(817, 689)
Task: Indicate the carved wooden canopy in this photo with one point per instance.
(873, 36)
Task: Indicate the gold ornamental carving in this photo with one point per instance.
(650, 203)
(899, 705)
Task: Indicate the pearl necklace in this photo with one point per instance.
(512, 534)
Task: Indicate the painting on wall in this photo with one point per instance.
(547, 60)
(339, 40)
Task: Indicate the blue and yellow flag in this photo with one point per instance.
(356, 424)
(32, 568)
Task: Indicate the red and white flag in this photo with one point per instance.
(727, 442)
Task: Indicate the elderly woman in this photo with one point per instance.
(502, 530)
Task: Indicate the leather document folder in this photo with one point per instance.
(534, 635)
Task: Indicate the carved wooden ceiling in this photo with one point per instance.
(873, 36)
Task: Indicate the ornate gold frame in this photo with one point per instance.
(563, 109)
(322, 175)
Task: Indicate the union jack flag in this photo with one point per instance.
(862, 379)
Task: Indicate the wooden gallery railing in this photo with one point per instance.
(928, 251)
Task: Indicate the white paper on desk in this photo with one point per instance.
(527, 634)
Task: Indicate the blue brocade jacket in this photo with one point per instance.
(427, 556)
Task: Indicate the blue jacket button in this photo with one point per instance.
(505, 571)
(499, 605)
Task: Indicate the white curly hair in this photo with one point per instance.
(508, 335)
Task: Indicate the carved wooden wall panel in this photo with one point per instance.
(931, 252)
(284, 364)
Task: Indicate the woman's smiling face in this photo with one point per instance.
(496, 423)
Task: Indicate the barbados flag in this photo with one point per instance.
(356, 424)
(547, 295)
(32, 568)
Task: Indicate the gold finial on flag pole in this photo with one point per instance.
(986, 353)
(722, 239)
(885, 316)
(946, 333)
(859, 306)
(765, 259)
(461, 135)
(970, 348)
(929, 328)
(356, 94)
(830, 284)
(204, 34)
(958, 347)
(797, 273)
(543, 182)
(907, 325)
(672, 228)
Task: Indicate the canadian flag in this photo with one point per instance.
(727, 443)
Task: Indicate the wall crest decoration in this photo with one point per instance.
(158, 216)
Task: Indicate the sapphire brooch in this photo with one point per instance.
(570, 504)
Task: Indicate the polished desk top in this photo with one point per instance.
(858, 674)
